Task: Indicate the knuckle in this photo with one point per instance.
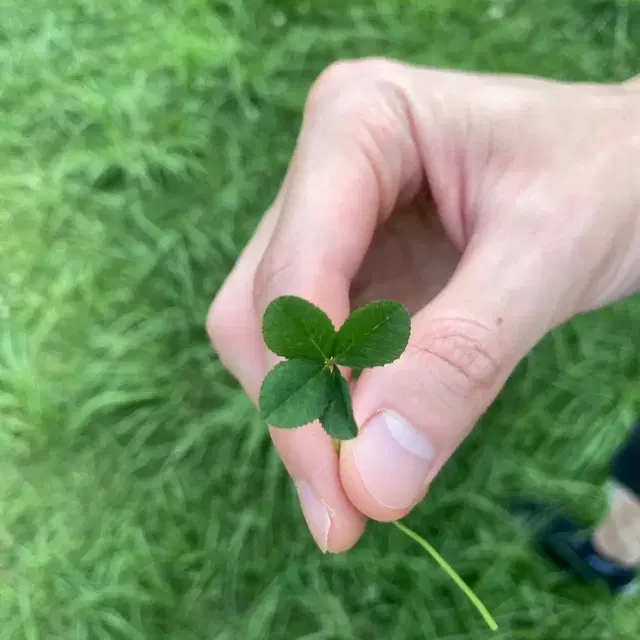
(219, 320)
(334, 77)
(332, 80)
(464, 355)
(226, 326)
(344, 75)
(365, 103)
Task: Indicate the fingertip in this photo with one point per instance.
(333, 521)
(309, 456)
(334, 528)
(346, 531)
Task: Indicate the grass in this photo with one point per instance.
(139, 494)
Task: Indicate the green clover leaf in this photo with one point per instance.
(295, 328)
(308, 385)
(337, 419)
(295, 393)
(373, 335)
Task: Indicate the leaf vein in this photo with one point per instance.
(301, 325)
(362, 337)
(297, 390)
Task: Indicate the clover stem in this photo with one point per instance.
(449, 570)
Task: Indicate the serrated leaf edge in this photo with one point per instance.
(349, 403)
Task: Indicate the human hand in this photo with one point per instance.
(494, 207)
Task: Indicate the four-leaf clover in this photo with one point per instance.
(308, 385)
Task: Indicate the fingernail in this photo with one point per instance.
(393, 460)
(316, 513)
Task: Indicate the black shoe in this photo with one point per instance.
(567, 544)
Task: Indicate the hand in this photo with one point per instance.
(495, 208)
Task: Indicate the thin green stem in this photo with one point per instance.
(448, 569)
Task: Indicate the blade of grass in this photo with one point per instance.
(449, 570)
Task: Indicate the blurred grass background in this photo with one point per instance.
(139, 495)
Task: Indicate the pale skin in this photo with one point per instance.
(617, 537)
(494, 207)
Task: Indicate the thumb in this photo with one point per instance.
(415, 412)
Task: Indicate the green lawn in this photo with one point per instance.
(139, 494)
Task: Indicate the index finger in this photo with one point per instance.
(355, 158)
